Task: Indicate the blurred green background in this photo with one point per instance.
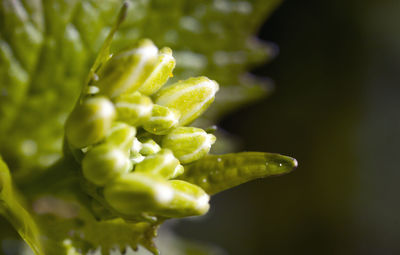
(336, 108)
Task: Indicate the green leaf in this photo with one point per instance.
(13, 85)
(64, 214)
(216, 173)
(50, 69)
(84, 233)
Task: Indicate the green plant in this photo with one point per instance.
(127, 160)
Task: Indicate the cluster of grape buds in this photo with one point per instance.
(131, 134)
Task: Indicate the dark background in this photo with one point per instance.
(336, 108)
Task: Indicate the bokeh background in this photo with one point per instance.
(336, 108)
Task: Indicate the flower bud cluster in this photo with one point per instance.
(133, 137)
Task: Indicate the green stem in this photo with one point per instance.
(104, 53)
(13, 209)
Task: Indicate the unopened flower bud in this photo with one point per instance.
(133, 108)
(136, 158)
(162, 70)
(190, 97)
(89, 122)
(163, 163)
(104, 163)
(121, 135)
(127, 71)
(136, 192)
(136, 146)
(188, 143)
(162, 120)
(149, 146)
(188, 200)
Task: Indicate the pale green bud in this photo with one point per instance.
(190, 97)
(104, 163)
(138, 192)
(188, 143)
(133, 108)
(136, 146)
(121, 135)
(163, 163)
(162, 120)
(89, 122)
(149, 146)
(188, 200)
(136, 158)
(162, 71)
(127, 71)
